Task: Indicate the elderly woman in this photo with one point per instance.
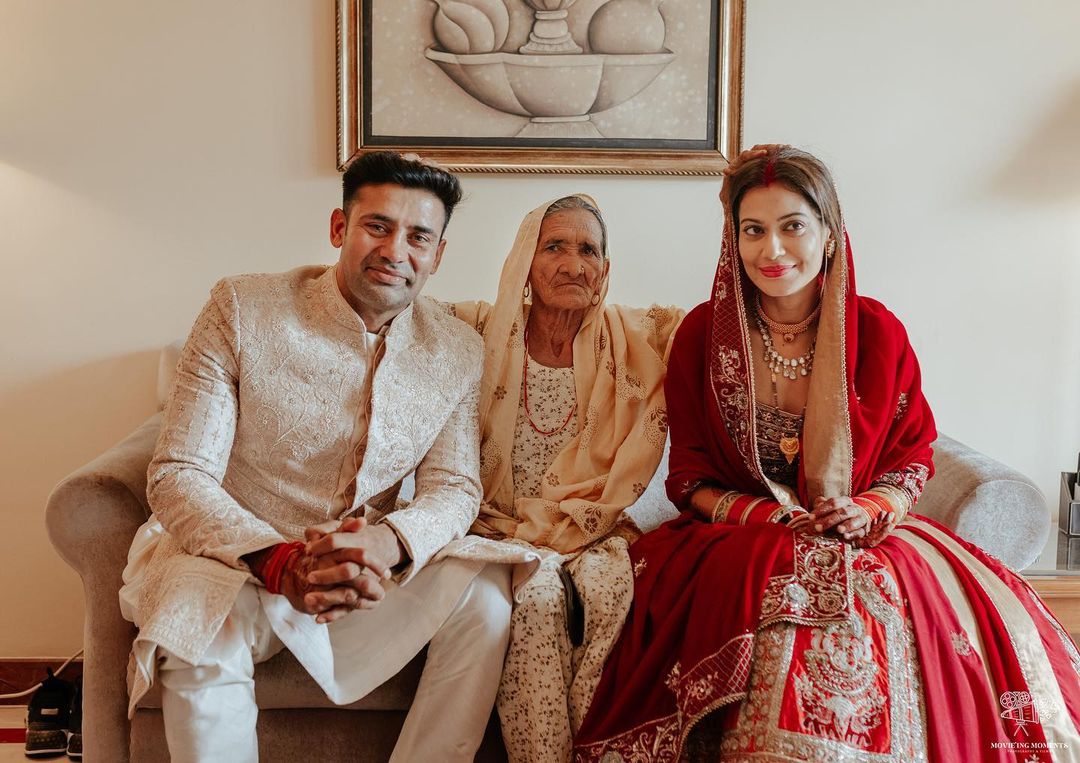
(797, 596)
(573, 426)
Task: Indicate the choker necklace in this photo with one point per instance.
(788, 330)
(525, 395)
(789, 368)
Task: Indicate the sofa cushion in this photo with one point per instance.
(987, 503)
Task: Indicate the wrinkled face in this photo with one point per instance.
(781, 240)
(390, 243)
(568, 265)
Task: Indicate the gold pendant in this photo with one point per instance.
(789, 446)
(789, 338)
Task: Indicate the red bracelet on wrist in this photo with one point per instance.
(872, 505)
(274, 564)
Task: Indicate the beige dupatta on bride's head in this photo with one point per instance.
(619, 367)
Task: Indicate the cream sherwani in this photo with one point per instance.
(286, 413)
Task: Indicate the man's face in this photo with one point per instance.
(390, 241)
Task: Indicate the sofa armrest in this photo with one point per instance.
(987, 503)
(91, 516)
(101, 504)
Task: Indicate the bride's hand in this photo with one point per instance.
(878, 531)
(840, 516)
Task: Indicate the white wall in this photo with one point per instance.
(146, 149)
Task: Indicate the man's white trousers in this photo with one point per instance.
(210, 711)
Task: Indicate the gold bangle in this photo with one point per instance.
(799, 517)
(723, 505)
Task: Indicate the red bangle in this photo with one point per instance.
(872, 507)
(274, 564)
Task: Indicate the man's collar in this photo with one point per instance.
(342, 311)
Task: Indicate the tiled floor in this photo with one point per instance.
(12, 717)
(10, 753)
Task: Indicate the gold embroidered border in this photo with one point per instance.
(715, 681)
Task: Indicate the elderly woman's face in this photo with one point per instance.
(568, 265)
(781, 240)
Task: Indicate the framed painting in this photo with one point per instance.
(648, 87)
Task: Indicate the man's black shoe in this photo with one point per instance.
(47, 717)
(74, 743)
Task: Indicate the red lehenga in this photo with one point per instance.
(920, 648)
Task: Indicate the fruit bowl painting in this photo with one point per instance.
(607, 85)
(556, 92)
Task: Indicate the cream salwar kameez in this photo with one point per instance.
(547, 682)
(563, 496)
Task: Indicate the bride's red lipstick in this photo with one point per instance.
(775, 271)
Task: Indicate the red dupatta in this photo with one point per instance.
(865, 413)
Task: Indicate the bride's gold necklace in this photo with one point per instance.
(788, 330)
(789, 368)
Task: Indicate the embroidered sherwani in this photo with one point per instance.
(285, 414)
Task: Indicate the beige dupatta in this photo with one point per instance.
(619, 367)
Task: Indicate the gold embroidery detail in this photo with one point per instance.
(818, 591)
(839, 694)
(758, 733)
(901, 405)
(672, 680)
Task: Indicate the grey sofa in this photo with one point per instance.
(93, 514)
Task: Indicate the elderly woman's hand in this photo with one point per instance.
(414, 157)
(759, 150)
(840, 516)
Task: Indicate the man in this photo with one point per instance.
(301, 401)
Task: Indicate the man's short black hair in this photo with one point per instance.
(391, 168)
